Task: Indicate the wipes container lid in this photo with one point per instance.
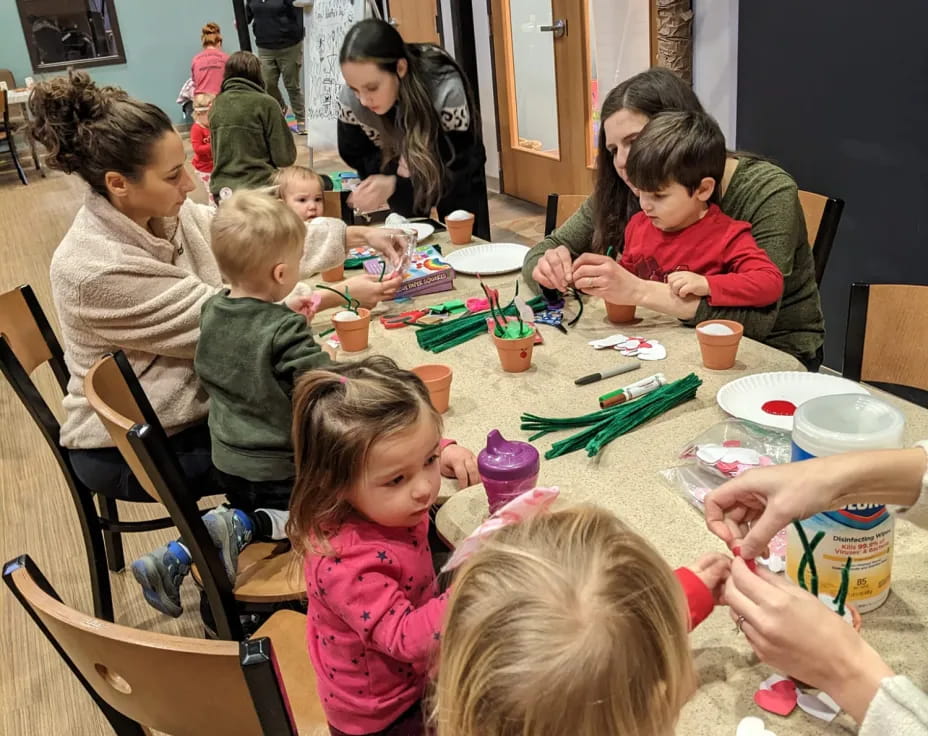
(830, 425)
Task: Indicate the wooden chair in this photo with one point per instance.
(887, 338)
(822, 215)
(336, 205)
(143, 680)
(559, 209)
(6, 136)
(268, 575)
(26, 342)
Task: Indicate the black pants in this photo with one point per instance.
(249, 495)
(105, 472)
(411, 723)
(815, 362)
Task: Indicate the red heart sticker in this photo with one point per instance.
(776, 702)
(785, 687)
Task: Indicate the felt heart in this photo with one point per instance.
(773, 679)
(750, 726)
(655, 352)
(775, 702)
(710, 454)
(608, 342)
(819, 706)
(785, 687)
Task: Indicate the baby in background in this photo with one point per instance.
(570, 623)
(300, 188)
(250, 351)
(200, 139)
(676, 165)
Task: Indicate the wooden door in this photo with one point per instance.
(416, 20)
(542, 68)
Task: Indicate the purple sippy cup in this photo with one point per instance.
(507, 469)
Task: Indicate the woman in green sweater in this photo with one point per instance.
(752, 190)
(249, 134)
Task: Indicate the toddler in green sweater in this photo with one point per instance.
(251, 349)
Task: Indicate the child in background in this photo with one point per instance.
(301, 189)
(369, 458)
(250, 351)
(681, 236)
(200, 139)
(570, 623)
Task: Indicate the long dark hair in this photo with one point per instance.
(90, 130)
(649, 93)
(417, 132)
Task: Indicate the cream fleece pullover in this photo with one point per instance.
(118, 286)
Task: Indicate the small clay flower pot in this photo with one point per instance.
(460, 231)
(334, 274)
(719, 351)
(437, 379)
(353, 334)
(515, 355)
(620, 314)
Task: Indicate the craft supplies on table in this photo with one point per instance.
(607, 373)
(861, 532)
(604, 426)
(427, 272)
(488, 259)
(438, 338)
(632, 391)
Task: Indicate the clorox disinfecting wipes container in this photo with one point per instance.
(864, 532)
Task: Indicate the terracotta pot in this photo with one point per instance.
(334, 274)
(460, 231)
(620, 314)
(437, 379)
(515, 355)
(719, 351)
(354, 334)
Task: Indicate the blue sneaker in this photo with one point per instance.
(160, 574)
(230, 530)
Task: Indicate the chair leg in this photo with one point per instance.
(112, 540)
(15, 157)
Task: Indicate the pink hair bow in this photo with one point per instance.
(523, 507)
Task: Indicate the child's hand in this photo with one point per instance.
(459, 463)
(307, 305)
(388, 241)
(369, 291)
(687, 283)
(713, 569)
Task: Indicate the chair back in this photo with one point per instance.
(4, 112)
(887, 336)
(559, 209)
(336, 205)
(26, 342)
(115, 394)
(146, 680)
(7, 76)
(822, 215)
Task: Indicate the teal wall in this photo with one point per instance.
(160, 38)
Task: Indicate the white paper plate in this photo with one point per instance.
(744, 397)
(488, 258)
(423, 229)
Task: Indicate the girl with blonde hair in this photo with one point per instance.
(570, 623)
(369, 459)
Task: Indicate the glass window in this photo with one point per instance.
(64, 33)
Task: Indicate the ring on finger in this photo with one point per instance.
(740, 624)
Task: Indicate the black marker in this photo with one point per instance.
(608, 373)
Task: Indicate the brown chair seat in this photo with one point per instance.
(267, 573)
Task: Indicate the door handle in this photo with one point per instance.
(558, 28)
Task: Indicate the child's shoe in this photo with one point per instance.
(230, 530)
(160, 574)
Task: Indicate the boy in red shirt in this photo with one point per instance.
(200, 139)
(681, 236)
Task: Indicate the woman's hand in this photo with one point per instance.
(713, 570)
(388, 241)
(601, 276)
(792, 631)
(554, 269)
(372, 193)
(369, 291)
(459, 463)
(756, 505)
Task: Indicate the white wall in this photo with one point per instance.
(715, 61)
(485, 85)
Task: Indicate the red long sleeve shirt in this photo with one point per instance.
(739, 272)
(202, 148)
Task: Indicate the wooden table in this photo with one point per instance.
(624, 479)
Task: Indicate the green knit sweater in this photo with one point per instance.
(249, 135)
(247, 358)
(764, 195)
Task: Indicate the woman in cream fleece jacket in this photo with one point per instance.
(135, 268)
(786, 626)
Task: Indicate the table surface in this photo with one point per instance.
(17, 96)
(624, 478)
